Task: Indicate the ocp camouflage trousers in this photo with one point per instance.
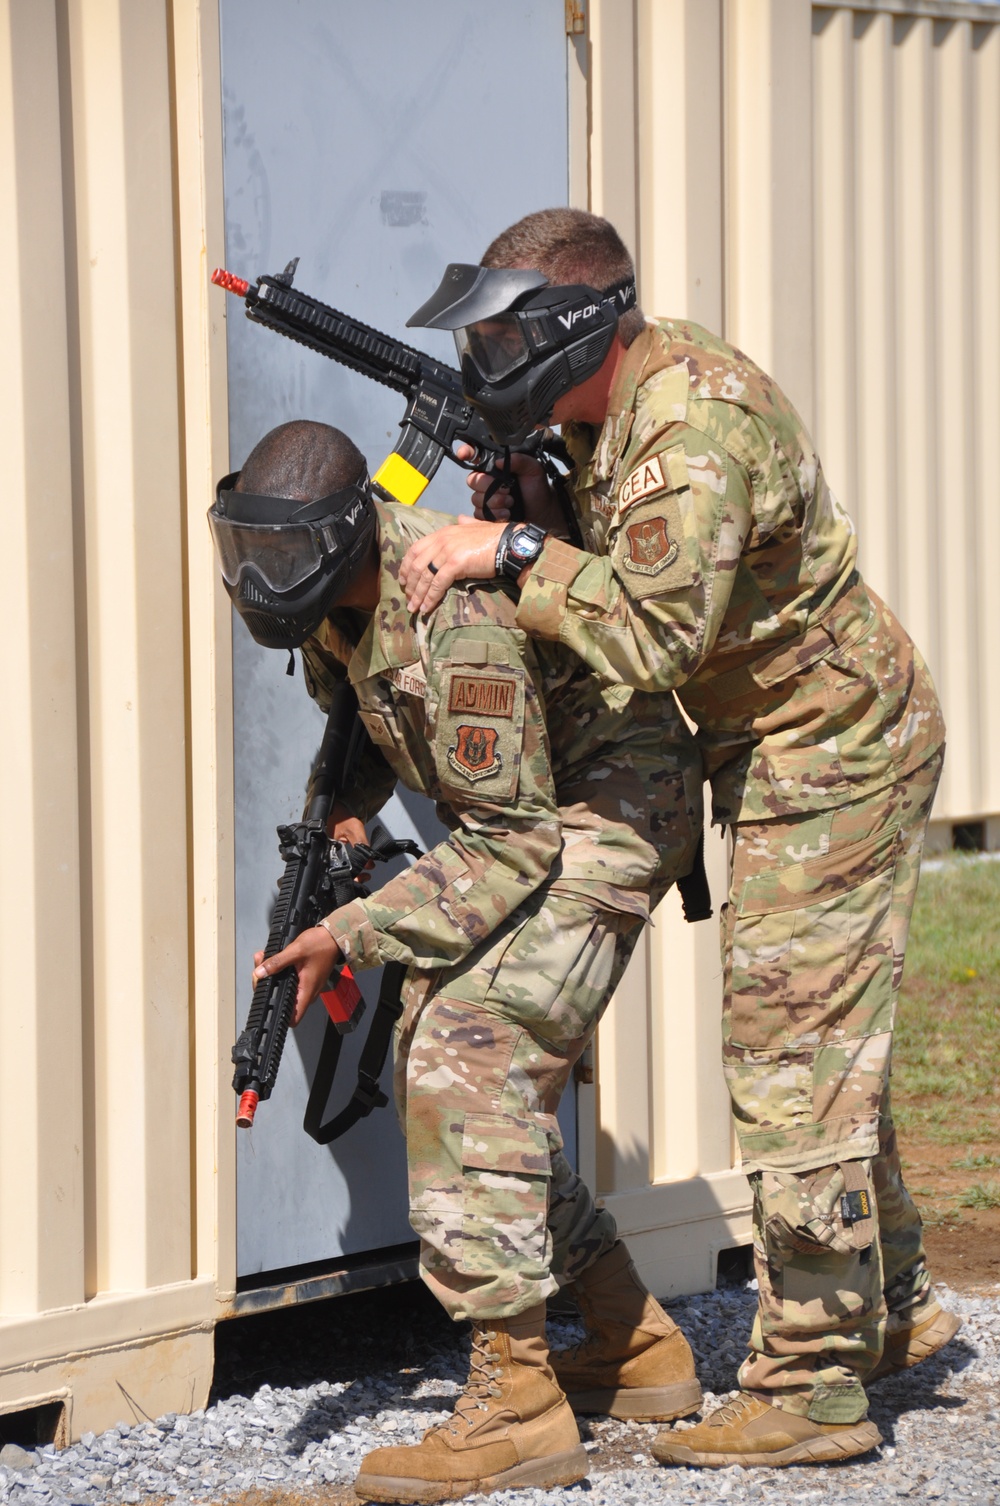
(814, 939)
(483, 1054)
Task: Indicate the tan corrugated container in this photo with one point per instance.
(820, 183)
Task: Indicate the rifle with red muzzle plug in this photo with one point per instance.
(320, 875)
(437, 414)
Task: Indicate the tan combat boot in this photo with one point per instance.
(909, 1343)
(748, 1431)
(635, 1361)
(511, 1426)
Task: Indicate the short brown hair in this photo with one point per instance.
(568, 246)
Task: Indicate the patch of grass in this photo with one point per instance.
(981, 1195)
(947, 1038)
(936, 1217)
(977, 1163)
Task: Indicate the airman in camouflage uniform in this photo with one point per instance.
(571, 806)
(726, 568)
(718, 563)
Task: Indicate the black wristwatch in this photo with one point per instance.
(520, 545)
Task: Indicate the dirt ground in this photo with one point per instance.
(963, 1244)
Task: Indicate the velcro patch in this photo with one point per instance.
(650, 551)
(378, 729)
(478, 730)
(650, 547)
(475, 754)
(642, 482)
(481, 695)
(855, 1206)
(410, 679)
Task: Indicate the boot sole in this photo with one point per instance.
(944, 1329)
(555, 1469)
(823, 1450)
(640, 1403)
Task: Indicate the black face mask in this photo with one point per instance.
(522, 343)
(286, 563)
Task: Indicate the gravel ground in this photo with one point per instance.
(301, 1396)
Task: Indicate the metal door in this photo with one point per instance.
(377, 142)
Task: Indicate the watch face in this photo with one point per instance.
(522, 545)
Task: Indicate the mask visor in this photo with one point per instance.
(284, 555)
(496, 346)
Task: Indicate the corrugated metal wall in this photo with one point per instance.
(820, 183)
(907, 225)
(114, 922)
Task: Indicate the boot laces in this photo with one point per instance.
(732, 1411)
(481, 1386)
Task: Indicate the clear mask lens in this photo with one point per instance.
(495, 346)
(285, 554)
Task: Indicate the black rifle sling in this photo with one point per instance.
(696, 897)
(367, 1094)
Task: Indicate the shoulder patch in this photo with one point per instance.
(479, 729)
(482, 695)
(642, 482)
(474, 753)
(650, 547)
(649, 550)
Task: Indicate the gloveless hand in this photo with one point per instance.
(467, 550)
(314, 954)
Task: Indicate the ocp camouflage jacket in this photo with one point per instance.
(540, 772)
(722, 565)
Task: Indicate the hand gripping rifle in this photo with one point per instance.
(437, 414)
(320, 874)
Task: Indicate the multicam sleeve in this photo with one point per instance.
(485, 723)
(648, 613)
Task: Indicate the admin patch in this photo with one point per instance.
(480, 728)
(649, 550)
(482, 695)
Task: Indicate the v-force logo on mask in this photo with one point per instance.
(621, 295)
(568, 320)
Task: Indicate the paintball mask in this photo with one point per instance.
(521, 342)
(285, 563)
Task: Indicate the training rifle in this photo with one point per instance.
(438, 415)
(320, 875)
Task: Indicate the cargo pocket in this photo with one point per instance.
(819, 1229)
(506, 1172)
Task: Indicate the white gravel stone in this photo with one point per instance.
(302, 1396)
